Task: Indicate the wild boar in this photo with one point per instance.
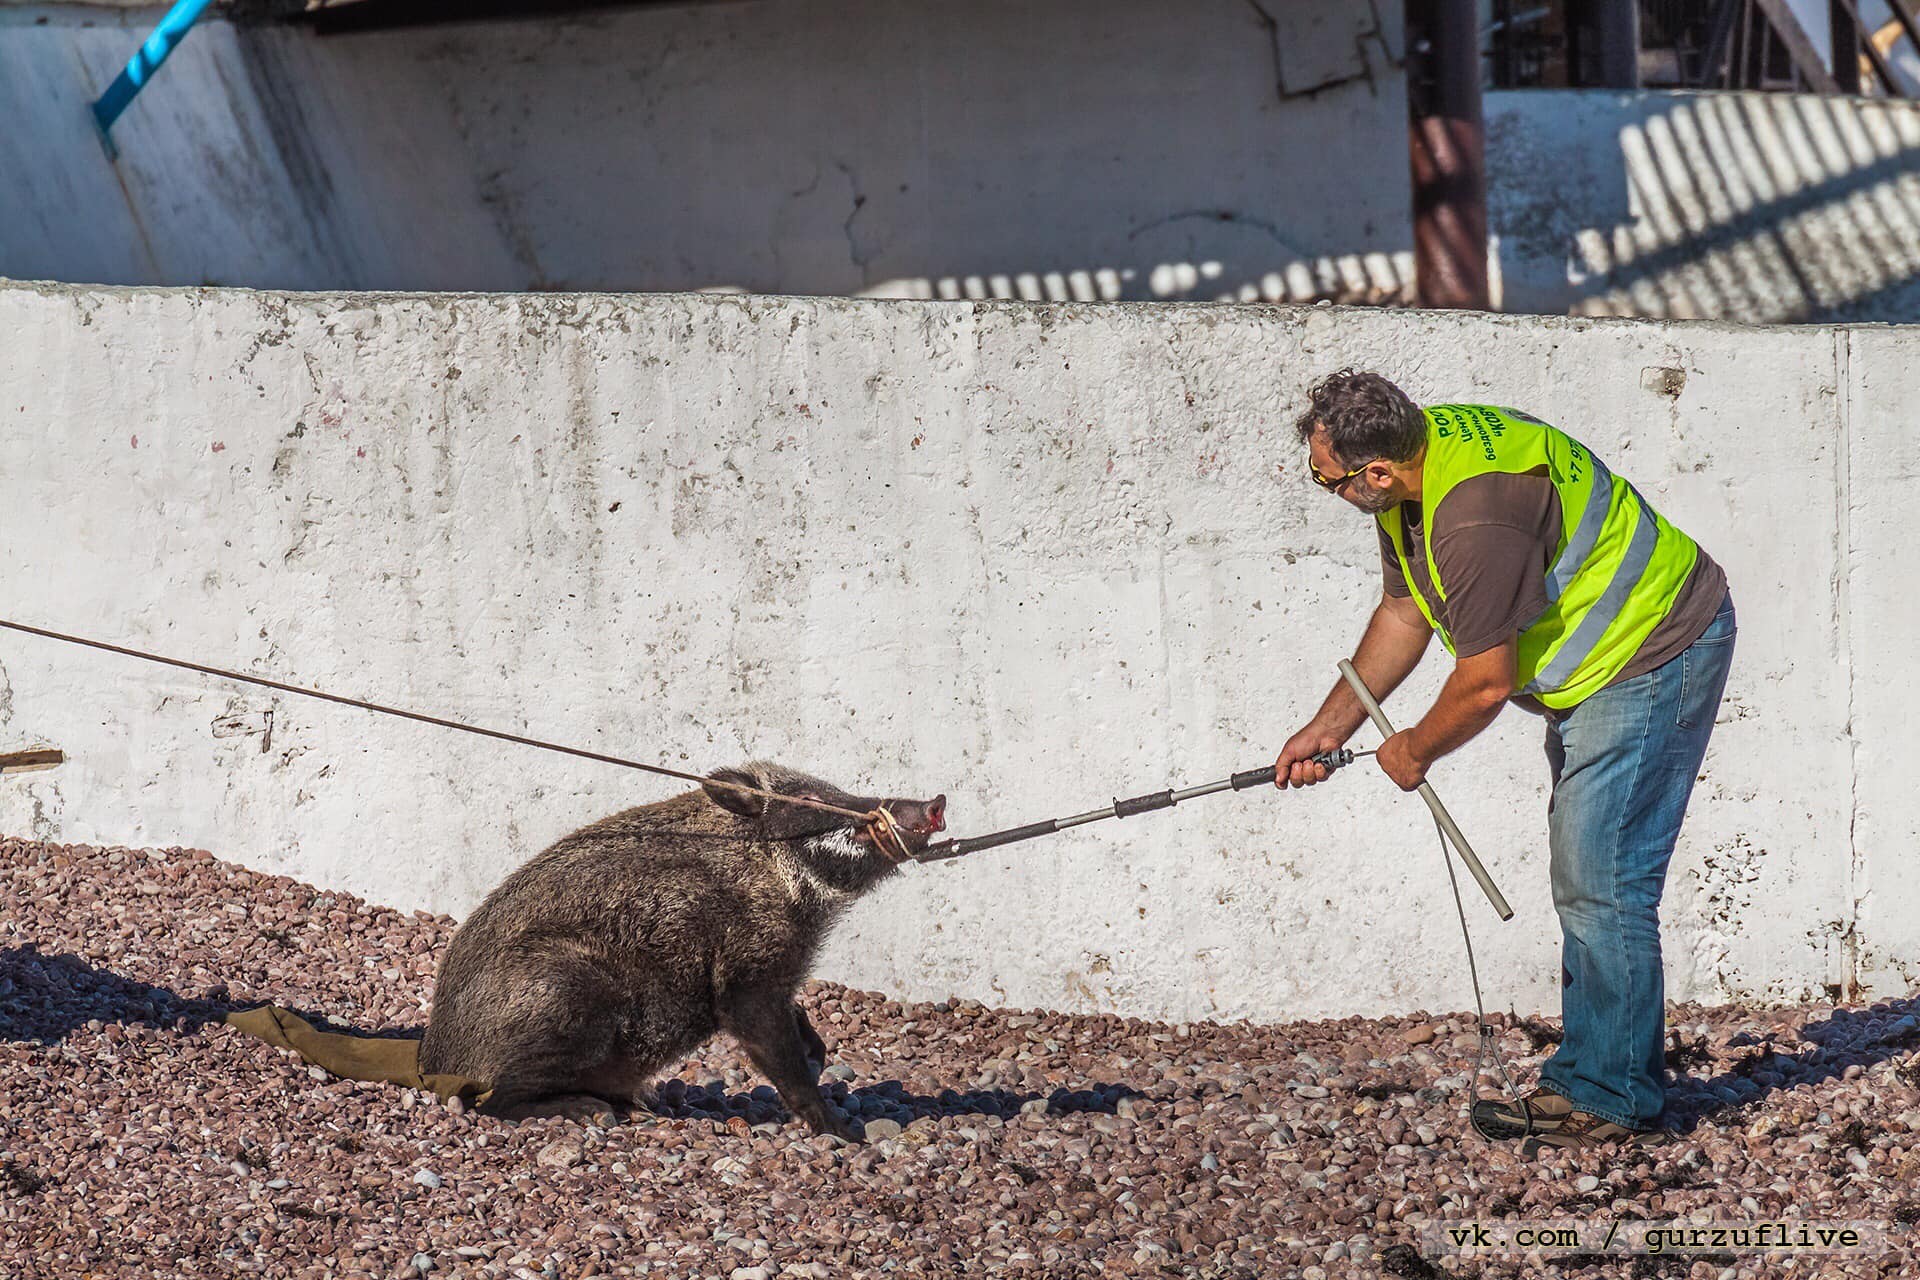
(629, 943)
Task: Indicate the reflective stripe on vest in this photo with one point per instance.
(1593, 624)
(1586, 535)
(1618, 568)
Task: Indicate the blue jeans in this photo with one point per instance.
(1623, 765)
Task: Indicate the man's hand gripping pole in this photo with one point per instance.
(1440, 814)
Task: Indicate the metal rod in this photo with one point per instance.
(1616, 28)
(1439, 810)
(1861, 44)
(1121, 809)
(1092, 815)
(1719, 36)
(145, 61)
(1806, 59)
(1844, 42)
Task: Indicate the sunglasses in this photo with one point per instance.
(1333, 484)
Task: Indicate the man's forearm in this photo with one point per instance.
(1456, 717)
(1469, 701)
(1389, 651)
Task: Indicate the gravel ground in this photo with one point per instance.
(140, 1137)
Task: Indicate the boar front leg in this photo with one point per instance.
(809, 1038)
(766, 1026)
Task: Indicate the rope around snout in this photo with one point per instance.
(880, 823)
(886, 837)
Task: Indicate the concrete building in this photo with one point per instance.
(1223, 149)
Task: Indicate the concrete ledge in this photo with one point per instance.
(1032, 556)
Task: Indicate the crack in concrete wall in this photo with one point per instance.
(1297, 27)
(1230, 216)
(859, 201)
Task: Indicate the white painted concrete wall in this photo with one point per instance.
(1031, 556)
(1074, 149)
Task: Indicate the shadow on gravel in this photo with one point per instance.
(886, 1100)
(43, 998)
(1847, 1037)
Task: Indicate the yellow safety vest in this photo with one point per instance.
(1619, 564)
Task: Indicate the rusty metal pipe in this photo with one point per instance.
(1447, 142)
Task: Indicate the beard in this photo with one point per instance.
(1371, 501)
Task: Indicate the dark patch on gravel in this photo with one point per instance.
(1381, 1092)
(1540, 1035)
(1687, 1051)
(1402, 1260)
(140, 1137)
(21, 1181)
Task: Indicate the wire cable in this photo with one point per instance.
(244, 678)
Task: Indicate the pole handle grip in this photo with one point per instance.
(1338, 758)
(1142, 804)
(1440, 814)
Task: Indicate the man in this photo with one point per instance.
(1554, 585)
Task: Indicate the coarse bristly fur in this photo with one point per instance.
(629, 943)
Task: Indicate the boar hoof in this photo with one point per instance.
(836, 1127)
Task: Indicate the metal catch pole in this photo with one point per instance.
(1122, 809)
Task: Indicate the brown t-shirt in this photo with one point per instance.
(1495, 537)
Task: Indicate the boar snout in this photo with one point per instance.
(922, 817)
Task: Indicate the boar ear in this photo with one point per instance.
(736, 801)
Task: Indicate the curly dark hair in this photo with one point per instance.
(1366, 417)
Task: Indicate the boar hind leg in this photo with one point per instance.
(583, 1107)
(544, 1036)
(626, 1080)
(767, 1028)
(615, 1089)
(810, 1040)
(547, 1089)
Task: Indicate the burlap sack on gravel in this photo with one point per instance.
(393, 1060)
